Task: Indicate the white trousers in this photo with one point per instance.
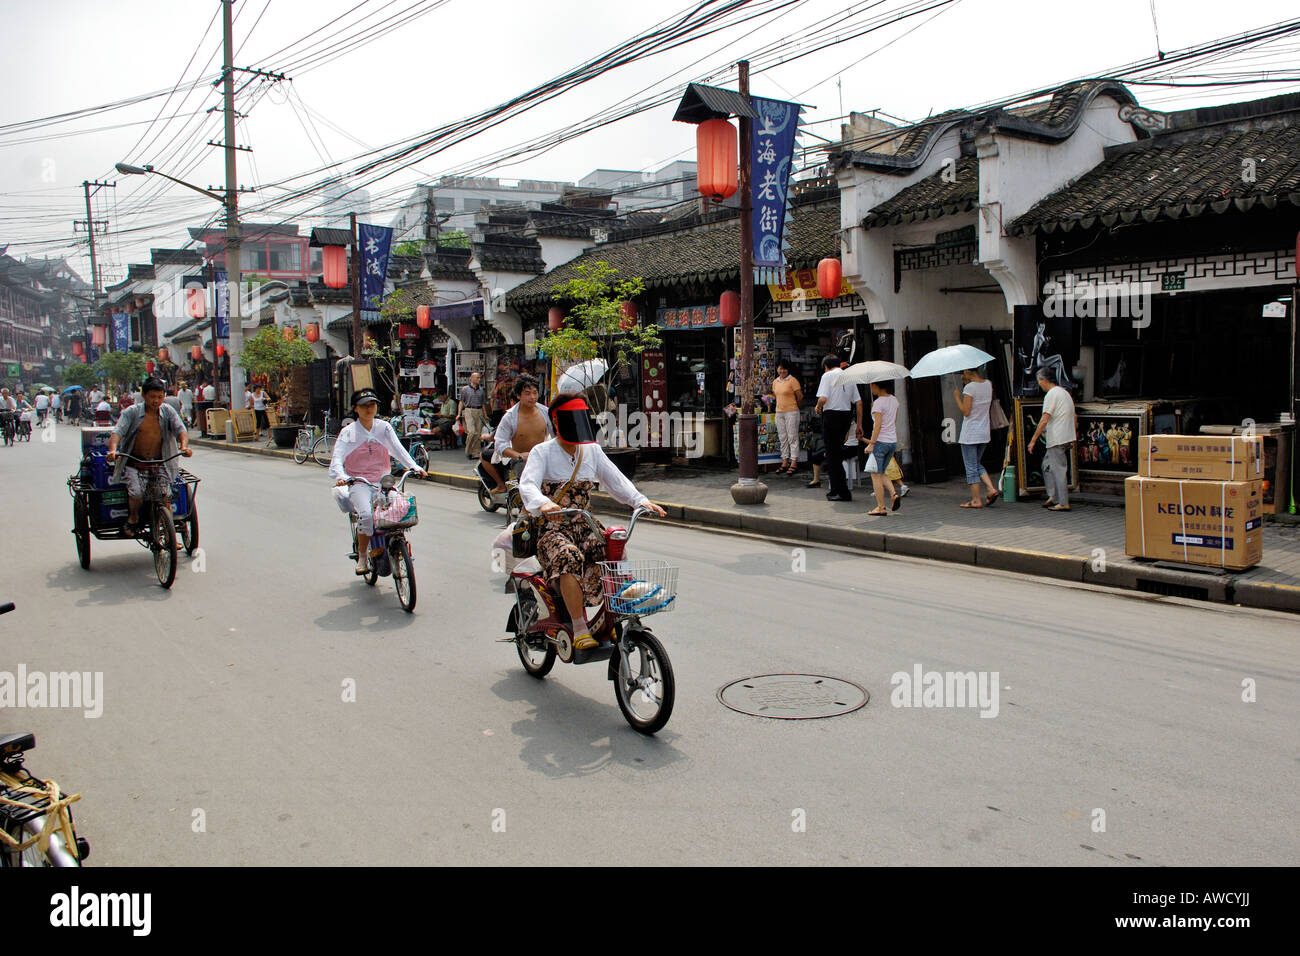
(787, 430)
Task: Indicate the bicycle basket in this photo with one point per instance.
(393, 517)
(639, 587)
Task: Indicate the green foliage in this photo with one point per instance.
(80, 374)
(267, 353)
(122, 369)
(595, 324)
(453, 240)
(409, 248)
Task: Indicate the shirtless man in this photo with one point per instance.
(526, 425)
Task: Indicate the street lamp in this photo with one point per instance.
(232, 276)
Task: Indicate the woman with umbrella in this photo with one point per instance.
(975, 400)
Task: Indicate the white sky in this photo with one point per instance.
(467, 55)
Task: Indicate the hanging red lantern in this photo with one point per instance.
(729, 309)
(628, 309)
(196, 302)
(829, 278)
(84, 360)
(149, 367)
(163, 355)
(718, 157)
(196, 353)
(99, 336)
(221, 350)
(334, 263)
(422, 317)
(78, 348)
(312, 333)
(555, 318)
(289, 333)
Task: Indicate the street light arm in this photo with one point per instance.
(129, 170)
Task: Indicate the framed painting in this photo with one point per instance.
(1108, 443)
(1029, 465)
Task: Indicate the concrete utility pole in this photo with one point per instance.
(236, 346)
(91, 223)
(749, 490)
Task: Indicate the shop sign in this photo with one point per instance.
(771, 159)
(823, 310)
(691, 317)
(802, 284)
(1275, 310)
(1173, 282)
(405, 331)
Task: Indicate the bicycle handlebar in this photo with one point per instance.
(591, 520)
(147, 461)
(401, 482)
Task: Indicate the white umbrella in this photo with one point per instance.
(953, 358)
(582, 376)
(864, 373)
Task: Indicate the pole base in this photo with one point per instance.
(750, 492)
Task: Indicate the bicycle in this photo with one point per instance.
(9, 426)
(390, 552)
(36, 826)
(302, 445)
(322, 449)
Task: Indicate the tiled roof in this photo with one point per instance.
(930, 198)
(709, 254)
(1173, 176)
(450, 262)
(501, 253)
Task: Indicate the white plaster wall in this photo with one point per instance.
(557, 251)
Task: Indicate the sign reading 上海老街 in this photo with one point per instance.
(221, 283)
(374, 241)
(771, 157)
(121, 331)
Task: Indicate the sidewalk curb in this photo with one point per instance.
(1122, 575)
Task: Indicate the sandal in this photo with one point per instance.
(814, 484)
(878, 513)
(585, 643)
(895, 501)
(969, 504)
(1059, 508)
(992, 498)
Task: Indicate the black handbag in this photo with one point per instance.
(527, 529)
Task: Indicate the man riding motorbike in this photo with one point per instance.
(362, 450)
(560, 473)
(524, 426)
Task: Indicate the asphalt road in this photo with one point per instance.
(225, 696)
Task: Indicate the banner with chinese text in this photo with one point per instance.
(374, 241)
(121, 331)
(802, 284)
(771, 160)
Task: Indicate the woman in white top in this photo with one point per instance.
(882, 445)
(259, 408)
(974, 401)
(569, 549)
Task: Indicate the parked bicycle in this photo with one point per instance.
(322, 449)
(302, 444)
(36, 826)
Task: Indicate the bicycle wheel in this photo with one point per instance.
(302, 446)
(646, 692)
(163, 543)
(81, 531)
(323, 449)
(420, 455)
(58, 855)
(190, 530)
(399, 555)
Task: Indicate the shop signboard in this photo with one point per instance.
(802, 284)
(763, 370)
(689, 317)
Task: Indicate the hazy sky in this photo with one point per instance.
(467, 55)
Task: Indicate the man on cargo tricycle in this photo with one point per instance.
(148, 431)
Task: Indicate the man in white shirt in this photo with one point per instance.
(209, 392)
(838, 405)
(1058, 422)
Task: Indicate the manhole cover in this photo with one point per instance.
(793, 696)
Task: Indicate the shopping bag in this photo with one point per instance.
(893, 472)
(997, 417)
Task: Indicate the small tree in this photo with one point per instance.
(596, 326)
(80, 374)
(269, 353)
(122, 369)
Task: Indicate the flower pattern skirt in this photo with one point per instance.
(568, 545)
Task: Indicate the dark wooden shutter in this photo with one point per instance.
(924, 410)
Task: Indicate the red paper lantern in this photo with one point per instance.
(78, 348)
(555, 318)
(313, 332)
(221, 350)
(289, 333)
(195, 303)
(628, 308)
(729, 309)
(718, 158)
(422, 317)
(829, 278)
(149, 367)
(334, 261)
(196, 353)
(84, 360)
(99, 336)
(163, 355)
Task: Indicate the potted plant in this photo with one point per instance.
(270, 354)
(599, 326)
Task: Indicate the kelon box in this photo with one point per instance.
(1205, 457)
(1214, 523)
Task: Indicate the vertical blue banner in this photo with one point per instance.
(121, 331)
(221, 287)
(374, 241)
(771, 158)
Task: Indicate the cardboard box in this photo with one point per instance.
(1203, 457)
(1213, 523)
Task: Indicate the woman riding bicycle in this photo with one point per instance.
(560, 474)
(362, 450)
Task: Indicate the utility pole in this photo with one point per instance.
(236, 346)
(747, 490)
(90, 224)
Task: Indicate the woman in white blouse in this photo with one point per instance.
(561, 473)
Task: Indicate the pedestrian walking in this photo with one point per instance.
(259, 409)
(789, 396)
(186, 395)
(1057, 428)
(173, 401)
(56, 406)
(882, 444)
(839, 406)
(470, 414)
(975, 400)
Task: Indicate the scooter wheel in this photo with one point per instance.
(485, 500)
